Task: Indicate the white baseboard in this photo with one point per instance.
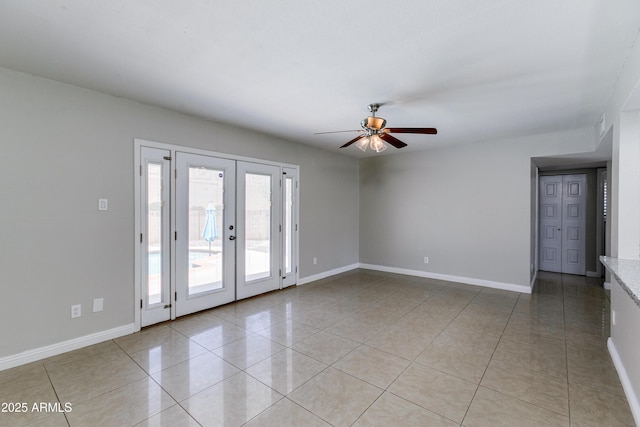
(634, 404)
(325, 274)
(62, 347)
(607, 285)
(459, 279)
(593, 274)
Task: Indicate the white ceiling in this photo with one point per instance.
(476, 70)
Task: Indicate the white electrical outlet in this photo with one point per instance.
(426, 260)
(315, 260)
(76, 311)
(98, 304)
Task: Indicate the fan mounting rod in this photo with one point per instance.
(373, 108)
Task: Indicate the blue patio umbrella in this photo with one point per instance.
(210, 230)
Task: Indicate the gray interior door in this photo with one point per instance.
(562, 223)
(551, 223)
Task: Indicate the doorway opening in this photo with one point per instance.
(570, 223)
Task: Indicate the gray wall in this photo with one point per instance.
(468, 208)
(63, 147)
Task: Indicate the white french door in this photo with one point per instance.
(212, 230)
(205, 218)
(155, 243)
(289, 226)
(259, 228)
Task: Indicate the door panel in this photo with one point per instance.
(205, 204)
(574, 224)
(289, 226)
(550, 223)
(258, 232)
(155, 236)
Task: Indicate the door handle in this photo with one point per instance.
(232, 237)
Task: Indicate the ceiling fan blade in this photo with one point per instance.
(338, 131)
(429, 131)
(352, 141)
(392, 140)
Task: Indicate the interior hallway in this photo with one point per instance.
(363, 348)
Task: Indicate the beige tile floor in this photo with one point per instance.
(363, 348)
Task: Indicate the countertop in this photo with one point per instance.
(626, 273)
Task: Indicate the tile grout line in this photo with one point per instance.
(55, 391)
(566, 349)
(490, 359)
(413, 360)
(152, 379)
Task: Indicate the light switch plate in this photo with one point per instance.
(103, 204)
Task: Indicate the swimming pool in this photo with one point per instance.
(155, 260)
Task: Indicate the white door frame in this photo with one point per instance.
(138, 144)
(290, 277)
(600, 220)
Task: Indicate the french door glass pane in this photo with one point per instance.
(154, 233)
(257, 226)
(288, 224)
(206, 210)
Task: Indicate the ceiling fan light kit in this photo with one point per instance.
(374, 133)
(374, 142)
(363, 143)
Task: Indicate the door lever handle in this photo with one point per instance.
(232, 237)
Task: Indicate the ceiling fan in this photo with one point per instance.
(374, 133)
